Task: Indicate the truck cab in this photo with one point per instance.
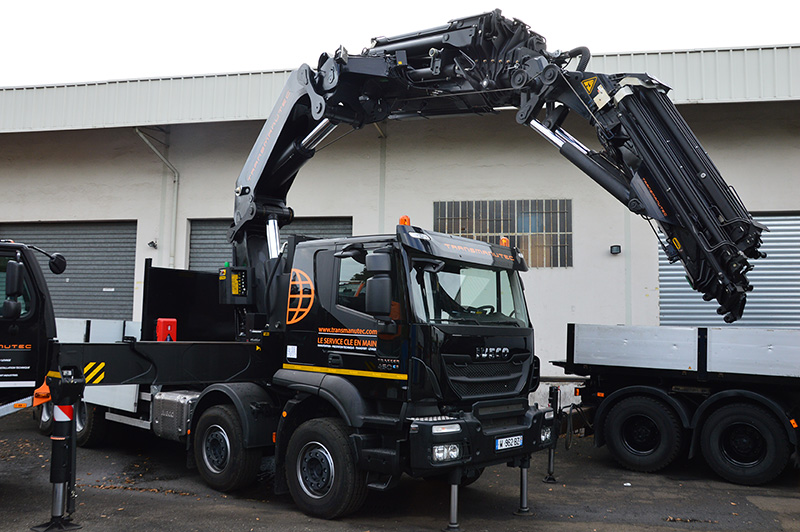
(418, 330)
(26, 324)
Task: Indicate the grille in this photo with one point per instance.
(484, 380)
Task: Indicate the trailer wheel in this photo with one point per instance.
(219, 452)
(745, 444)
(324, 479)
(643, 434)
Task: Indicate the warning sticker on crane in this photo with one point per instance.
(94, 372)
(589, 84)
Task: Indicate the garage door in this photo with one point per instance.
(775, 299)
(98, 282)
(209, 248)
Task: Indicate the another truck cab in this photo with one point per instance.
(27, 323)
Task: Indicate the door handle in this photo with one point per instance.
(334, 360)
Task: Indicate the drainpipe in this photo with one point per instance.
(175, 182)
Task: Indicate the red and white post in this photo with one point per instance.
(66, 389)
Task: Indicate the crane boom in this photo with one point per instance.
(650, 160)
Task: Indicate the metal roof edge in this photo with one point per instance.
(714, 75)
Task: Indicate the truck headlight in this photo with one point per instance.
(546, 433)
(446, 452)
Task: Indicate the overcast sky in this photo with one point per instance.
(49, 41)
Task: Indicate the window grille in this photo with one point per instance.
(541, 229)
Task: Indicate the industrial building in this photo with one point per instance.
(113, 173)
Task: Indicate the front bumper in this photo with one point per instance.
(494, 432)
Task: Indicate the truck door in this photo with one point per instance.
(338, 336)
(355, 339)
(19, 342)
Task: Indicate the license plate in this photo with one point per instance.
(508, 443)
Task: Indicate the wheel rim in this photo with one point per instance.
(743, 444)
(640, 435)
(216, 449)
(315, 470)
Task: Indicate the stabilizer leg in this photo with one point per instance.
(66, 388)
(554, 400)
(455, 480)
(524, 509)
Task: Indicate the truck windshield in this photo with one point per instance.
(450, 292)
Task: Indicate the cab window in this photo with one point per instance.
(351, 291)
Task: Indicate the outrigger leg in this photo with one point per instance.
(524, 509)
(455, 480)
(66, 389)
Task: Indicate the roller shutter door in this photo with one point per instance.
(209, 248)
(98, 282)
(775, 299)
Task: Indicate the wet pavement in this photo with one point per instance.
(141, 483)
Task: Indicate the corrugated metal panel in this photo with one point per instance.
(775, 300)
(754, 74)
(707, 76)
(98, 282)
(209, 248)
(139, 102)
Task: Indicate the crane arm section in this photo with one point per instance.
(649, 159)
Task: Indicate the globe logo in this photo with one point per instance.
(301, 296)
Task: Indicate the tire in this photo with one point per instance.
(643, 434)
(745, 444)
(222, 460)
(324, 479)
(90, 425)
(44, 415)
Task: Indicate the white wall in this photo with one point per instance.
(111, 174)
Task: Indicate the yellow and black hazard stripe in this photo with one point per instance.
(93, 372)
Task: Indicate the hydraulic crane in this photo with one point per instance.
(650, 159)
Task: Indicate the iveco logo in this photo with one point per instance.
(492, 353)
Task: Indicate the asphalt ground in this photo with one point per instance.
(140, 483)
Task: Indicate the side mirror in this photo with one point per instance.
(14, 273)
(379, 297)
(11, 309)
(379, 262)
(57, 263)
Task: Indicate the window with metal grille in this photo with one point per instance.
(541, 229)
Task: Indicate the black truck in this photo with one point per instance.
(353, 361)
(27, 322)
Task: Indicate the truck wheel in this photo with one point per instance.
(745, 444)
(44, 413)
(219, 452)
(643, 434)
(90, 425)
(321, 470)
